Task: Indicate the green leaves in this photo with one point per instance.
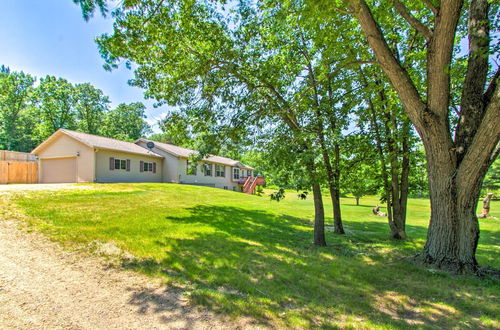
(55, 101)
(29, 114)
(126, 122)
(89, 6)
(91, 106)
(16, 90)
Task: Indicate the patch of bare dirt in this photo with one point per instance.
(44, 286)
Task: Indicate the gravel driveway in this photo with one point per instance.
(44, 286)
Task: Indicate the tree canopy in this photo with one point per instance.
(29, 114)
(290, 68)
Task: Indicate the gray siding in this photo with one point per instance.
(105, 174)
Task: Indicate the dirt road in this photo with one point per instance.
(43, 286)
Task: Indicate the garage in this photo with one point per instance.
(58, 170)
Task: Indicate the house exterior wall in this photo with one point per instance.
(65, 146)
(170, 166)
(175, 171)
(201, 179)
(105, 174)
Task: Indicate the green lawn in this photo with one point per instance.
(246, 256)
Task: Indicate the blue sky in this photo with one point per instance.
(43, 37)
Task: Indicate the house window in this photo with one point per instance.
(190, 168)
(148, 167)
(249, 173)
(225, 187)
(120, 164)
(208, 169)
(236, 173)
(220, 171)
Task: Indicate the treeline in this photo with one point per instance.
(31, 110)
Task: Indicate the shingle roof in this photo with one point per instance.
(101, 142)
(184, 152)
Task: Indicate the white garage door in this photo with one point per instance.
(60, 170)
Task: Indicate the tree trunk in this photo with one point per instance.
(333, 176)
(456, 168)
(402, 200)
(337, 215)
(395, 218)
(398, 219)
(453, 231)
(357, 201)
(333, 187)
(319, 216)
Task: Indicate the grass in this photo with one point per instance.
(243, 255)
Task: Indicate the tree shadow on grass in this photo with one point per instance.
(258, 264)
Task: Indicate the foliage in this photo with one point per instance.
(241, 255)
(16, 121)
(259, 190)
(176, 129)
(278, 195)
(302, 195)
(126, 122)
(361, 180)
(269, 67)
(29, 113)
(492, 179)
(460, 144)
(91, 106)
(54, 104)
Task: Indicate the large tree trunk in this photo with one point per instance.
(453, 231)
(456, 168)
(319, 216)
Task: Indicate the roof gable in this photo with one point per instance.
(98, 142)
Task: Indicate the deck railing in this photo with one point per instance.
(250, 182)
(260, 180)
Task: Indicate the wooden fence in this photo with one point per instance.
(17, 156)
(18, 167)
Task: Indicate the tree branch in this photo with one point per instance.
(491, 87)
(439, 56)
(431, 6)
(153, 12)
(398, 76)
(472, 105)
(485, 147)
(415, 23)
